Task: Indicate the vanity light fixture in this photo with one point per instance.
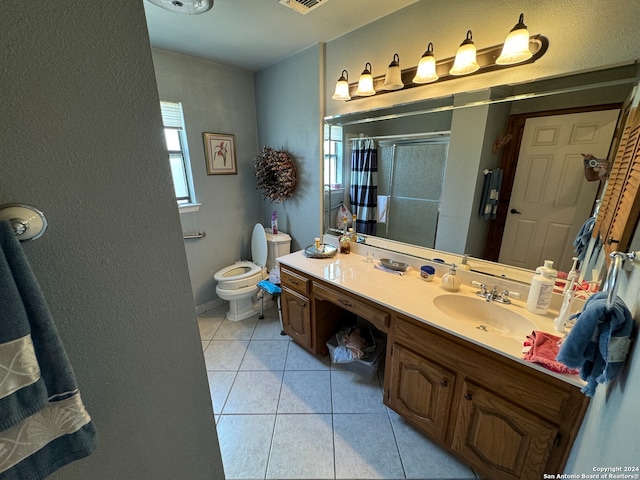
(516, 45)
(365, 84)
(393, 79)
(342, 87)
(426, 71)
(465, 61)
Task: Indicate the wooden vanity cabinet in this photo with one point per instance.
(307, 320)
(506, 420)
(503, 418)
(296, 315)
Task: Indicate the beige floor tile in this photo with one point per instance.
(245, 441)
(254, 392)
(351, 393)
(305, 392)
(265, 355)
(225, 355)
(365, 447)
(302, 447)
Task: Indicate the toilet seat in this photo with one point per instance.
(243, 274)
(238, 275)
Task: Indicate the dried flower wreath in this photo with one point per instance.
(276, 174)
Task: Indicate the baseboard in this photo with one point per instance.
(208, 306)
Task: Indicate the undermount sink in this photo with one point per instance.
(487, 316)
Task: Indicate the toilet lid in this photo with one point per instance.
(259, 245)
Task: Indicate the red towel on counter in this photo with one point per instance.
(542, 348)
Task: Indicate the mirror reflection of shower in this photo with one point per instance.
(409, 183)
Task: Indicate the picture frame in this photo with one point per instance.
(220, 153)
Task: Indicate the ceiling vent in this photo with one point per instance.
(302, 6)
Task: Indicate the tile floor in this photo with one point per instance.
(284, 413)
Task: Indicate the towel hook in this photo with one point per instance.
(28, 223)
(611, 284)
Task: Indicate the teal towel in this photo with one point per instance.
(43, 423)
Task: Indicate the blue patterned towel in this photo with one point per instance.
(43, 422)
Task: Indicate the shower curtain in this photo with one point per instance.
(363, 193)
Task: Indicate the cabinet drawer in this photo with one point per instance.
(379, 318)
(294, 281)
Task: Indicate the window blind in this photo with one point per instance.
(172, 115)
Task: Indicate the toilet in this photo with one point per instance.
(237, 283)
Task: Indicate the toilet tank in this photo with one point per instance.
(277, 246)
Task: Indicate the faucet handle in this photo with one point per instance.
(507, 293)
(483, 288)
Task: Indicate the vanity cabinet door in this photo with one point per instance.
(296, 316)
(420, 391)
(500, 439)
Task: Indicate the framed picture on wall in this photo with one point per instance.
(220, 153)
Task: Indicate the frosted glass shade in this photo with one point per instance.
(393, 78)
(465, 61)
(342, 88)
(365, 84)
(516, 45)
(426, 71)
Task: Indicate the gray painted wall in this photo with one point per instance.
(289, 119)
(215, 99)
(82, 141)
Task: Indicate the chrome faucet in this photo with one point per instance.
(494, 295)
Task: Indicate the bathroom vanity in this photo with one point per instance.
(464, 387)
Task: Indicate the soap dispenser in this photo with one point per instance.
(450, 281)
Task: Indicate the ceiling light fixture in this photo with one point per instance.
(185, 7)
(516, 45)
(365, 84)
(393, 79)
(465, 61)
(342, 87)
(426, 71)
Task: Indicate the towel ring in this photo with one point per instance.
(611, 284)
(28, 223)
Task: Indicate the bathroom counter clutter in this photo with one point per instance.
(453, 361)
(410, 295)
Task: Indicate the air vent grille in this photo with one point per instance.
(302, 6)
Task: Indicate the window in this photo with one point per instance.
(176, 139)
(332, 157)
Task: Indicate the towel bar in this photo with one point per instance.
(199, 234)
(611, 284)
(28, 222)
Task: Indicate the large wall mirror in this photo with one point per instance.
(438, 160)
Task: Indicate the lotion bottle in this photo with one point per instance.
(450, 281)
(541, 289)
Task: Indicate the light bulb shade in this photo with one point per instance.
(516, 45)
(342, 87)
(465, 61)
(393, 78)
(365, 84)
(426, 71)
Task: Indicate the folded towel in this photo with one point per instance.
(542, 348)
(599, 341)
(269, 287)
(43, 423)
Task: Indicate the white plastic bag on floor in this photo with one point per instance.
(274, 275)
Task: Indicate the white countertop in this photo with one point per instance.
(412, 296)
